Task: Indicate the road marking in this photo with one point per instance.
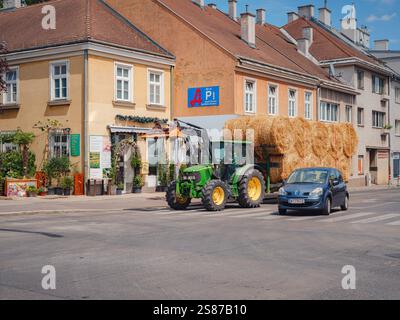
(270, 217)
(231, 212)
(259, 214)
(303, 218)
(395, 223)
(379, 218)
(348, 217)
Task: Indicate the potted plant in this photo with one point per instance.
(42, 191)
(66, 185)
(31, 191)
(120, 188)
(137, 184)
(162, 178)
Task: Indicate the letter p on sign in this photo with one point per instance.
(349, 280)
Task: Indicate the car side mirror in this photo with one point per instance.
(335, 182)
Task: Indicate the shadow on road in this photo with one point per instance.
(46, 234)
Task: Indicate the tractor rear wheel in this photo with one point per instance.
(251, 189)
(214, 195)
(176, 202)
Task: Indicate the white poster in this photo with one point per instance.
(99, 156)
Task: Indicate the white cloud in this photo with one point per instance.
(385, 17)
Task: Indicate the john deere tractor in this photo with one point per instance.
(219, 180)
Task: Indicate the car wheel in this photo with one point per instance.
(345, 205)
(328, 207)
(282, 211)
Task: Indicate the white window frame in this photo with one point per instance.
(254, 100)
(53, 143)
(376, 116)
(397, 94)
(311, 105)
(362, 123)
(162, 90)
(4, 101)
(376, 84)
(327, 114)
(276, 97)
(53, 77)
(295, 102)
(397, 127)
(122, 78)
(348, 119)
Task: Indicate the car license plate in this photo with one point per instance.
(296, 201)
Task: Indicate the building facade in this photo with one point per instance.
(100, 84)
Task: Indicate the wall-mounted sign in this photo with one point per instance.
(75, 145)
(203, 97)
(99, 156)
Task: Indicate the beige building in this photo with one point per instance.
(96, 73)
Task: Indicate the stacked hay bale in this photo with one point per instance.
(298, 143)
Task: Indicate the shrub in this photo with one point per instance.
(67, 182)
(138, 181)
(11, 165)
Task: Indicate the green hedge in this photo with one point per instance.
(11, 165)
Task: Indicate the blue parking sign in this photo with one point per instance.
(203, 97)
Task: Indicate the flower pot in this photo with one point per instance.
(43, 194)
(51, 191)
(119, 192)
(67, 191)
(136, 189)
(59, 191)
(31, 194)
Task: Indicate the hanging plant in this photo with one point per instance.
(138, 119)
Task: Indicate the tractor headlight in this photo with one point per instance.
(282, 192)
(316, 193)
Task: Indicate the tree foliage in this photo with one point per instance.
(3, 65)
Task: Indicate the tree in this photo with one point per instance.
(23, 140)
(3, 66)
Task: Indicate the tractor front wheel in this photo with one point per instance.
(176, 202)
(214, 195)
(251, 189)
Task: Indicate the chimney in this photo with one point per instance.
(212, 5)
(325, 16)
(232, 9)
(292, 16)
(200, 3)
(261, 16)
(306, 11)
(308, 33)
(248, 26)
(12, 4)
(303, 45)
(381, 45)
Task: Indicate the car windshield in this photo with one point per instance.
(308, 176)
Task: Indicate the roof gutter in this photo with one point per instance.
(356, 61)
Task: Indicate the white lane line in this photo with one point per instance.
(347, 217)
(249, 215)
(303, 218)
(378, 218)
(395, 223)
(271, 217)
(232, 212)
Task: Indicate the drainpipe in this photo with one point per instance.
(390, 134)
(85, 119)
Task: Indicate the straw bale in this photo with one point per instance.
(281, 134)
(301, 133)
(320, 142)
(350, 138)
(336, 141)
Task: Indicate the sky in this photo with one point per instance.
(382, 17)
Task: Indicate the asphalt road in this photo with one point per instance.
(147, 251)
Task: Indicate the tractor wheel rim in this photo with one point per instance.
(254, 188)
(181, 200)
(218, 196)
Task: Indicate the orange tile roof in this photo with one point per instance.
(76, 21)
(272, 47)
(326, 45)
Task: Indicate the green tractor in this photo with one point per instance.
(217, 182)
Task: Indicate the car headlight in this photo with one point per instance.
(317, 192)
(282, 192)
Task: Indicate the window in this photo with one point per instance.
(360, 165)
(292, 103)
(156, 85)
(360, 79)
(397, 95)
(272, 99)
(397, 127)
(123, 83)
(329, 112)
(59, 144)
(360, 116)
(378, 84)
(378, 119)
(59, 80)
(250, 96)
(5, 144)
(11, 94)
(308, 105)
(349, 114)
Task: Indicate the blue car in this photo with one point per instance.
(317, 189)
